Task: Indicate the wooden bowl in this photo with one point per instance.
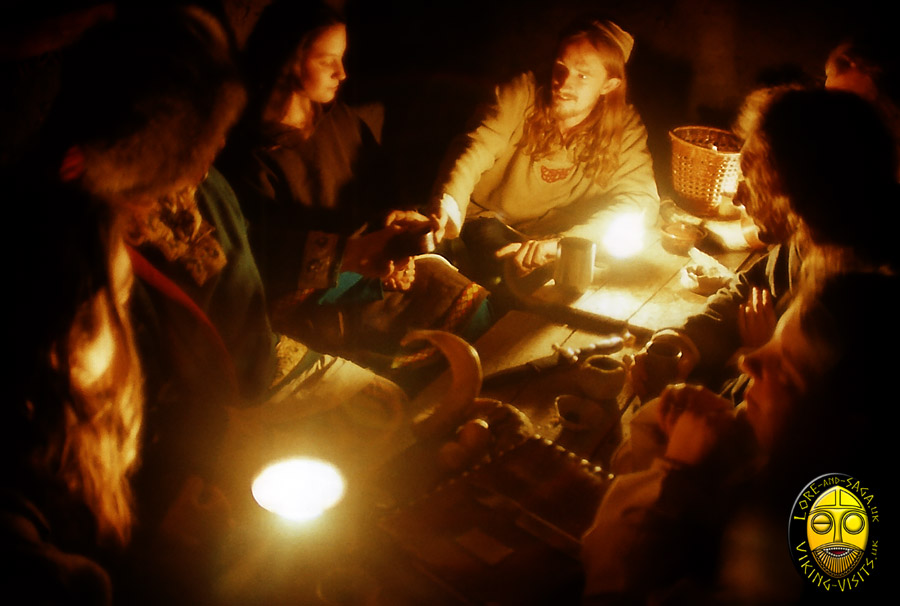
(679, 238)
(577, 413)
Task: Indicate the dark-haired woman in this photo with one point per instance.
(309, 176)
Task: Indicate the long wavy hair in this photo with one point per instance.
(71, 435)
(597, 141)
(146, 101)
(97, 450)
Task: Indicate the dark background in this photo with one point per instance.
(431, 62)
(693, 61)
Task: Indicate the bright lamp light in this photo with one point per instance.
(299, 489)
(625, 236)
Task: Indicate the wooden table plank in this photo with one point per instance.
(517, 338)
(669, 307)
(672, 304)
(622, 286)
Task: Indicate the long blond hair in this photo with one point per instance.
(71, 430)
(597, 141)
(101, 420)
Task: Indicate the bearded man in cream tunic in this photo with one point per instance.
(553, 161)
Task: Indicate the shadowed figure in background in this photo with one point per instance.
(866, 64)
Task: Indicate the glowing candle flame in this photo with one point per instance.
(625, 236)
(298, 489)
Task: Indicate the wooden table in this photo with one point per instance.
(643, 292)
(471, 537)
(634, 297)
(453, 534)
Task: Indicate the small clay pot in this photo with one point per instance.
(663, 358)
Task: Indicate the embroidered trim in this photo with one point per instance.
(460, 310)
(552, 175)
(176, 228)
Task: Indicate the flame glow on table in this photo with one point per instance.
(625, 236)
(298, 489)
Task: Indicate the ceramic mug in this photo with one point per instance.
(661, 362)
(601, 377)
(575, 264)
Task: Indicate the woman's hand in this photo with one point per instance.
(368, 254)
(406, 218)
(756, 318)
(529, 255)
(411, 219)
(694, 419)
(446, 218)
(402, 277)
(440, 220)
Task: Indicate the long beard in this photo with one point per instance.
(839, 565)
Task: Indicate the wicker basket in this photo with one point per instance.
(705, 165)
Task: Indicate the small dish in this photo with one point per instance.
(577, 413)
(679, 238)
(703, 280)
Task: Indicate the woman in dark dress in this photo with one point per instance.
(309, 177)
